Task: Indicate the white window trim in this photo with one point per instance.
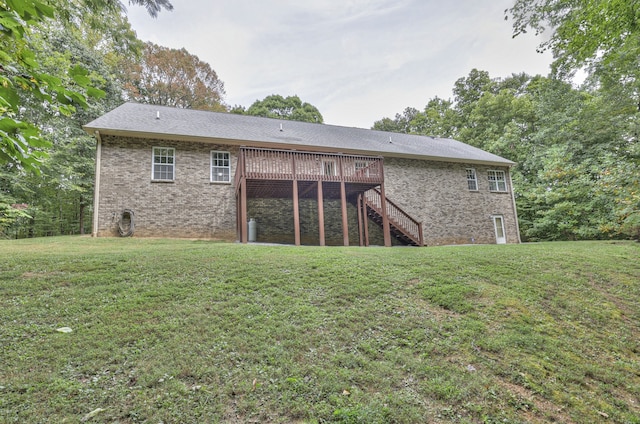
(497, 181)
(153, 164)
(498, 230)
(475, 179)
(211, 167)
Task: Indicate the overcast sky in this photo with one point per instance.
(357, 61)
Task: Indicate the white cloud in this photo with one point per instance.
(356, 60)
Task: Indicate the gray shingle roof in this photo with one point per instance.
(141, 120)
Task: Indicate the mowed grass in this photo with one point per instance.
(179, 331)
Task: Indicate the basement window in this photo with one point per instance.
(497, 181)
(472, 180)
(164, 168)
(220, 167)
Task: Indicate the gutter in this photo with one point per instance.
(515, 210)
(96, 189)
(292, 146)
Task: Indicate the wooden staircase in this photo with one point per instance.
(401, 225)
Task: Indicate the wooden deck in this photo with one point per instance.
(270, 173)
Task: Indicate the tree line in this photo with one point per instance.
(577, 174)
(576, 147)
(64, 63)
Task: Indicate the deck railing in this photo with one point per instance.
(397, 217)
(269, 164)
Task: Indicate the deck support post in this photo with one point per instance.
(320, 214)
(296, 202)
(345, 219)
(238, 229)
(343, 200)
(296, 212)
(361, 221)
(365, 220)
(243, 210)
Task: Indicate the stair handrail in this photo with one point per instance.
(398, 217)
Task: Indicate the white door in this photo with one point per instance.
(498, 223)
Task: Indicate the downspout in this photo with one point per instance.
(515, 210)
(96, 189)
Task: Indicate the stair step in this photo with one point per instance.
(395, 231)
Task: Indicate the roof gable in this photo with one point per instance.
(151, 121)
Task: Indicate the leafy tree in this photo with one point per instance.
(20, 141)
(57, 200)
(10, 211)
(602, 36)
(290, 108)
(403, 123)
(499, 122)
(468, 90)
(238, 110)
(577, 174)
(438, 119)
(153, 6)
(173, 77)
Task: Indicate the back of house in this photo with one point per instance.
(167, 172)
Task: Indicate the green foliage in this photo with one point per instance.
(438, 119)
(153, 6)
(80, 51)
(173, 77)
(581, 32)
(10, 214)
(290, 108)
(194, 331)
(20, 141)
(576, 149)
(59, 198)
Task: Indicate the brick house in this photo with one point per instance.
(196, 174)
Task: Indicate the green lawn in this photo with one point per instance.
(179, 331)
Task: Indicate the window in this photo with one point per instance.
(328, 167)
(220, 167)
(362, 168)
(163, 164)
(361, 164)
(497, 181)
(472, 181)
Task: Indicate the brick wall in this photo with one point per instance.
(274, 220)
(435, 193)
(191, 206)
